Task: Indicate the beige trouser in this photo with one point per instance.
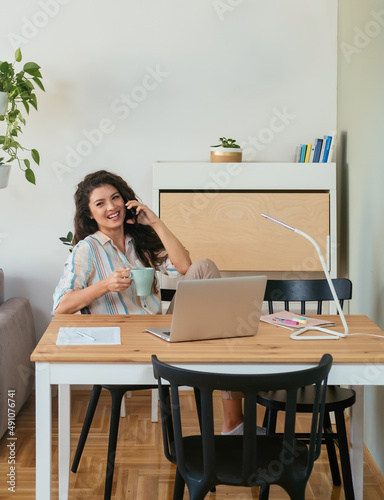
(205, 269)
(201, 269)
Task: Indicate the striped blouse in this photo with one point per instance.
(94, 259)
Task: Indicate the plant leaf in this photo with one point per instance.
(26, 106)
(33, 101)
(15, 144)
(32, 68)
(28, 85)
(30, 176)
(4, 67)
(35, 156)
(18, 55)
(39, 83)
(27, 163)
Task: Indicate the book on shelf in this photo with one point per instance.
(328, 140)
(302, 152)
(318, 146)
(297, 154)
(332, 147)
(322, 150)
(308, 153)
(312, 152)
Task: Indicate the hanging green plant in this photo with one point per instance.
(19, 88)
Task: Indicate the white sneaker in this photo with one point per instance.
(239, 431)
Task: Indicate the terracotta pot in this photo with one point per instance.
(226, 155)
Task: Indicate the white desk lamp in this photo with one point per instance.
(334, 335)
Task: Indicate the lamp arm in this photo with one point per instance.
(332, 288)
(297, 334)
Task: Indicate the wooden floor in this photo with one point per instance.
(141, 470)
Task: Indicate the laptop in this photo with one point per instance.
(215, 309)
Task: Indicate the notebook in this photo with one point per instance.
(215, 309)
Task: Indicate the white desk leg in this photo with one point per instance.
(357, 442)
(155, 400)
(64, 439)
(43, 431)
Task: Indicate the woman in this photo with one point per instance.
(109, 244)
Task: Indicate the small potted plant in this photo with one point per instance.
(226, 152)
(17, 88)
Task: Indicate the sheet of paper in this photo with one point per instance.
(274, 320)
(89, 336)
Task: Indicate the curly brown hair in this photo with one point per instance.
(148, 245)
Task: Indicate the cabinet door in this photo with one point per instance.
(228, 228)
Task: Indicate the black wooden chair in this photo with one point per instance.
(305, 291)
(117, 394)
(338, 398)
(206, 460)
(167, 294)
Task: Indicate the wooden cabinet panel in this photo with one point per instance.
(228, 228)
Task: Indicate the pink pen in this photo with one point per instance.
(287, 321)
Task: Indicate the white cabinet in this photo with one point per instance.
(215, 210)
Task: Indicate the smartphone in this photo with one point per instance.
(131, 214)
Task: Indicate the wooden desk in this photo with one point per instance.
(357, 361)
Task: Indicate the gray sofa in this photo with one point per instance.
(17, 341)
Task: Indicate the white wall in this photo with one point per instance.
(360, 120)
(261, 72)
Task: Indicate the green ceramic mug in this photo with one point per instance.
(143, 278)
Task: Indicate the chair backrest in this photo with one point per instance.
(167, 294)
(306, 291)
(204, 384)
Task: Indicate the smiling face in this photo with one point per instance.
(107, 208)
